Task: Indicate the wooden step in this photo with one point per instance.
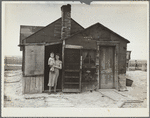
(71, 90)
(72, 77)
(72, 64)
(72, 83)
(72, 70)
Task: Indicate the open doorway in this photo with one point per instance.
(55, 48)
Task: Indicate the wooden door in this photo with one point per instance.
(107, 67)
(72, 69)
(34, 60)
(33, 72)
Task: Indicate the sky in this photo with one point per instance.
(128, 19)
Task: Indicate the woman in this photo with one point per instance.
(51, 63)
(57, 66)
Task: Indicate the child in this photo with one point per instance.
(51, 62)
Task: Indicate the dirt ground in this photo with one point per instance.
(13, 96)
(138, 89)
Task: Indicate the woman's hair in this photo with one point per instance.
(51, 53)
(58, 54)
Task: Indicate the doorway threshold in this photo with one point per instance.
(57, 90)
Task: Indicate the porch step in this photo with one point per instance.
(71, 90)
(72, 70)
(72, 83)
(71, 76)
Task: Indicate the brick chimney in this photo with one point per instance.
(66, 21)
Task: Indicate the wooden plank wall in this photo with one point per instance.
(122, 54)
(93, 85)
(34, 60)
(33, 84)
(99, 33)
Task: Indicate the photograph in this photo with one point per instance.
(75, 56)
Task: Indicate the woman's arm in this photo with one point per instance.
(59, 67)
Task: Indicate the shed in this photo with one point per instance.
(92, 57)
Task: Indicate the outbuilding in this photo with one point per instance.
(92, 57)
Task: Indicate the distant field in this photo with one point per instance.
(140, 64)
(13, 62)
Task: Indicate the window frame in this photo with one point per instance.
(89, 65)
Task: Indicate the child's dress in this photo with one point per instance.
(51, 62)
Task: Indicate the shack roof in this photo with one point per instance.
(42, 28)
(33, 30)
(26, 30)
(98, 24)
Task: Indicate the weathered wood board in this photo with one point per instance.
(34, 60)
(107, 67)
(32, 84)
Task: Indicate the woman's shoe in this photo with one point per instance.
(54, 92)
(49, 93)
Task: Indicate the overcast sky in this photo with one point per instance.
(128, 20)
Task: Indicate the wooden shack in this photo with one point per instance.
(92, 57)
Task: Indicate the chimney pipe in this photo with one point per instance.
(66, 21)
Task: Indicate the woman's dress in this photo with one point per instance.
(53, 76)
(57, 63)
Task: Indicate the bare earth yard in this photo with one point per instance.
(13, 96)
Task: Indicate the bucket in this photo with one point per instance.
(129, 82)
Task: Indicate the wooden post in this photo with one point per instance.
(23, 85)
(63, 69)
(116, 66)
(100, 67)
(23, 60)
(80, 70)
(98, 53)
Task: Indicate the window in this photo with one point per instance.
(89, 65)
(89, 57)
